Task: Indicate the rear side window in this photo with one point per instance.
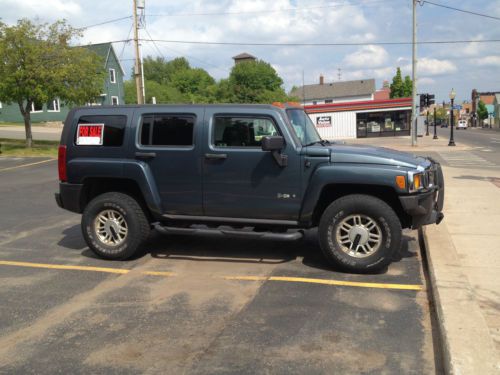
(110, 129)
(167, 130)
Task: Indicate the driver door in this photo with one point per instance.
(240, 180)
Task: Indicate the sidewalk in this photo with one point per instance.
(464, 261)
(40, 132)
(425, 143)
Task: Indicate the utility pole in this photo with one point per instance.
(413, 125)
(139, 84)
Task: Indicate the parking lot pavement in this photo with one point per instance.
(194, 304)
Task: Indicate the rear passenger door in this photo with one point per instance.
(166, 143)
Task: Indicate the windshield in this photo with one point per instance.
(303, 126)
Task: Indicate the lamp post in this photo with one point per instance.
(435, 133)
(427, 131)
(452, 97)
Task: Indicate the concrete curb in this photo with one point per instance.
(467, 345)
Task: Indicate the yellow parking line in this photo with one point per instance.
(242, 278)
(26, 165)
(63, 267)
(158, 273)
(80, 268)
(328, 282)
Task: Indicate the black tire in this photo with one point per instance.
(388, 226)
(137, 225)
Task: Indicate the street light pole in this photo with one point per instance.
(452, 97)
(427, 131)
(435, 132)
(413, 126)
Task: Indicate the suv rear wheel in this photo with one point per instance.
(114, 225)
(359, 233)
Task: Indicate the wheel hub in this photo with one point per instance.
(110, 227)
(359, 233)
(359, 236)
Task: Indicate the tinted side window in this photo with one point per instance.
(167, 130)
(232, 131)
(114, 127)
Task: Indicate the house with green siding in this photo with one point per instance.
(56, 110)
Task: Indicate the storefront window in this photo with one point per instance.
(376, 124)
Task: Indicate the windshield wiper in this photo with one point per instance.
(322, 142)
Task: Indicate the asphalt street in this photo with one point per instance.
(195, 305)
(485, 145)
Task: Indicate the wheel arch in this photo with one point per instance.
(332, 192)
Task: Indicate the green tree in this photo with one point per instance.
(407, 87)
(38, 64)
(254, 82)
(160, 70)
(174, 81)
(482, 111)
(163, 93)
(397, 85)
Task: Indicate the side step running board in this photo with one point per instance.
(293, 236)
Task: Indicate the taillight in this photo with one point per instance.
(61, 163)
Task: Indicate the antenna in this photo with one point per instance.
(304, 108)
(303, 90)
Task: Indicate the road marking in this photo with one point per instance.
(327, 282)
(465, 158)
(80, 268)
(26, 165)
(122, 271)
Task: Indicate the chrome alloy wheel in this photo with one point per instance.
(359, 236)
(110, 227)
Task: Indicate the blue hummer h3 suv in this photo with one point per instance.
(251, 171)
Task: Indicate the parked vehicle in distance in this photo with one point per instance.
(462, 124)
(249, 171)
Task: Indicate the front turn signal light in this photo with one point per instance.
(401, 182)
(417, 181)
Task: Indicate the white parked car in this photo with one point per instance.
(462, 124)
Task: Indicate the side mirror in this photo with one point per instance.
(272, 143)
(275, 144)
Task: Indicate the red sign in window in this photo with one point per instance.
(90, 134)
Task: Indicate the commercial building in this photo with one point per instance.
(362, 119)
(354, 109)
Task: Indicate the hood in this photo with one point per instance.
(359, 154)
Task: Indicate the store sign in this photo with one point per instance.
(323, 121)
(89, 134)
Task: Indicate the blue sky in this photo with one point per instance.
(441, 67)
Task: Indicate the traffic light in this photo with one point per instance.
(430, 100)
(423, 100)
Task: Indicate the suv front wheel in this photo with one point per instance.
(114, 225)
(359, 233)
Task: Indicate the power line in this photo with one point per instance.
(177, 52)
(462, 10)
(322, 44)
(104, 22)
(272, 10)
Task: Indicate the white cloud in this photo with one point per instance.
(432, 67)
(367, 57)
(426, 81)
(487, 61)
(48, 9)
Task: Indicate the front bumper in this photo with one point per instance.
(426, 207)
(69, 196)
